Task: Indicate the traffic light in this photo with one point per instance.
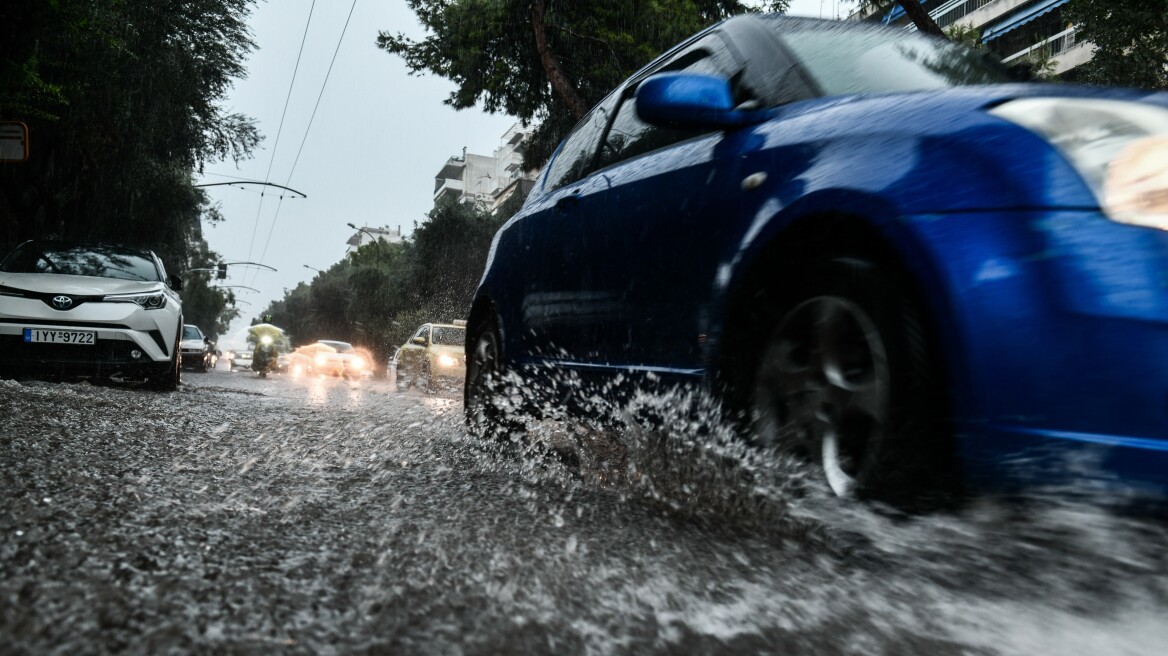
(222, 275)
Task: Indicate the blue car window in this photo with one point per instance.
(629, 136)
(578, 153)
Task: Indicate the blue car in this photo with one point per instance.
(878, 249)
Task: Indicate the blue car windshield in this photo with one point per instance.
(844, 60)
(99, 261)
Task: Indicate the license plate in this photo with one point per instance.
(43, 336)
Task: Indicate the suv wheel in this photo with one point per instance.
(166, 376)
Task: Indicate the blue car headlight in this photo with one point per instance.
(152, 301)
(1119, 147)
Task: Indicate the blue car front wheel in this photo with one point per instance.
(488, 393)
(848, 381)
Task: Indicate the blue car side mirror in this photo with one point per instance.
(690, 100)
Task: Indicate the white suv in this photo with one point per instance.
(95, 309)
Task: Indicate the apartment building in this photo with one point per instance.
(1012, 29)
(488, 180)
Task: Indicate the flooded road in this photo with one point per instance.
(322, 516)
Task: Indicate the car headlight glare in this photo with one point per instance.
(321, 360)
(1119, 147)
(154, 301)
(357, 363)
(446, 361)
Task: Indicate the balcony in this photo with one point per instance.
(448, 187)
(1062, 49)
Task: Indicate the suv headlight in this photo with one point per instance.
(152, 301)
(1119, 147)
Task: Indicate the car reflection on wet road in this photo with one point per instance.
(333, 516)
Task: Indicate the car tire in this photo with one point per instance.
(486, 417)
(848, 380)
(166, 378)
(403, 378)
(426, 380)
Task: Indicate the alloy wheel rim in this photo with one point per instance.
(823, 389)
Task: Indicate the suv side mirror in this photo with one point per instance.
(421, 341)
(175, 282)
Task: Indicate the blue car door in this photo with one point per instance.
(556, 311)
(666, 222)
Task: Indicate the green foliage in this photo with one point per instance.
(123, 103)
(1130, 38)
(489, 49)
(1042, 65)
(450, 253)
(967, 35)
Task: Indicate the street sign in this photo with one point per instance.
(13, 141)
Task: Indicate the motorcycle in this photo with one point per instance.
(265, 356)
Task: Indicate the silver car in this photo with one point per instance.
(90, 309)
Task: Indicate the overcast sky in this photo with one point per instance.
(378, 138)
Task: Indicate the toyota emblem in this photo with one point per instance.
(62, 302)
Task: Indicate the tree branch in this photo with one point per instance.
(560, 84)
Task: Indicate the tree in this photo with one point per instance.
(547, 61)
(967, 35)
(1131, 41)
(451, 253)
(122, 100)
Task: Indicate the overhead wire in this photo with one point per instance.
(304, 139)
(280, 130)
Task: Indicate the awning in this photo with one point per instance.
(1020, 18)
(897, 12)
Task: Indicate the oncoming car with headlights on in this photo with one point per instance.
(434, 355)
(328, 357)
(878, 250)
(90, 309)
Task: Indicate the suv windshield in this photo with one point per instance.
(192, 332)
(99, 261)
(848, 59)
(449, 336)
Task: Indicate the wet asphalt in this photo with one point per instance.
(324, 516)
